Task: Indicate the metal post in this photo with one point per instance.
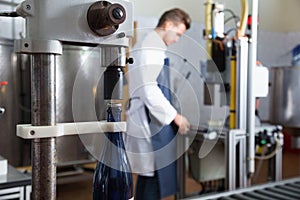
(242, 162)
(43, 113)
(241, 83)
(275, 163)
(251, 96)
(278, 160)
(230, 153)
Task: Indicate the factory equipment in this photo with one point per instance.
(284, 103)
(231, 58)
(231, 163)
(15, 98)
(269, 145)
(12, 112)
(3, 166)
(283, 190)
(49, 24)
(70, 150)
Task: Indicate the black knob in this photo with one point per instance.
(129, 60)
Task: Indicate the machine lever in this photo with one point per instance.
(104, 17)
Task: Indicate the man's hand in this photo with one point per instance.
(182, 123)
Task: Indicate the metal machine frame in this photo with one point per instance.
(49, 23)
(240, 137)
(233, 140)
(235, 154)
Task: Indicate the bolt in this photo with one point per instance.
(2, 110)
(120, 35)
(118, 13)
(32, 132)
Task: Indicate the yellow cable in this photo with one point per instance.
(244, 18)
(208, 26)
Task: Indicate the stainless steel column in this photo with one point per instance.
(250, 95)
(232, 139)
(230, 153)
(43, 114)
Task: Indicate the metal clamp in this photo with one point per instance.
(27, 131)
(38, 46)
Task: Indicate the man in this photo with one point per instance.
(149, 115)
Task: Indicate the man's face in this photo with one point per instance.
(173, 32)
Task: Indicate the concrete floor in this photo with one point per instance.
(80, 188)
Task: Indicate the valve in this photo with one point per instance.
(3, 83)
(104, 17)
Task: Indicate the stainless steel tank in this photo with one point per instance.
(15, 98)
(11, 147)
(285, 91)
(284, 102)
(76, 59)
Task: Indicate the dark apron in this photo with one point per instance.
(162, 136)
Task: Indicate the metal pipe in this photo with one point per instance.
(43, 111)
(251, 95)
(230, 154)
(244, 18)
(208, 26)
(113, 56)
(241, 83)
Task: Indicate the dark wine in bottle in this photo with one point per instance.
(112, 178)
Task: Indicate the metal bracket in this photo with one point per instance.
(27, 131)
(38, 46)
(67, 21)
(235, 141)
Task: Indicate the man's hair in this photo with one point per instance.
(176, 16)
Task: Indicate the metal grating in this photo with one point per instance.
(283, 190)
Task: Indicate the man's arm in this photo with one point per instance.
(182, 123)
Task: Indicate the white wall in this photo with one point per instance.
(279, 16)
(274, 15)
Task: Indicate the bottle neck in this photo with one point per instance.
(114, 115)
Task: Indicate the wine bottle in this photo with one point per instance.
(112, 177)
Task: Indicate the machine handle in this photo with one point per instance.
(104, 17)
